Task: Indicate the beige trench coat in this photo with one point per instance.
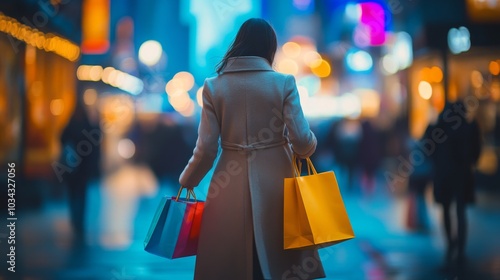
(249, 108)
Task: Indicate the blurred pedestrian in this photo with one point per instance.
(369, 155)
(418, 218)
(248, 105)
(81, 155)
(344, 139)
(454, 160)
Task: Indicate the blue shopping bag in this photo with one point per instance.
(174, 230)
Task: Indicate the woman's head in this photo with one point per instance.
(256, 37)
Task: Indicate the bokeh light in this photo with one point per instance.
(174, 87)
(476, 79)
(150, 52)
(185, 80)
(389, 64)
(403, 50)
(106, 74)
(322, 70)
(312, 59)
(351, 105)
(425, 90)
(90, 96)
(494, 67)
(110, 76)
(436, 74)
(126, 148)
(95, 73)
(291, 49)
(359, 61)
(180, 101)
(57, 107)
(199, 96)
(370, 102)
(83, 72)
(459, 40)
(188, 111)
(288, 66)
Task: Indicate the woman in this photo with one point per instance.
(256, 114)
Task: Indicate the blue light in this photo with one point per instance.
(304, 5)
(353, 12)
(359, 60)
(213, 25)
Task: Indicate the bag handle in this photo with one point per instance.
(297, 165)
(189, 193)
(310, 167)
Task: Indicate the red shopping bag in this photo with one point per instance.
(187, 242)
(175, 228)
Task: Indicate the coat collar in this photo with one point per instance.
(247, 63)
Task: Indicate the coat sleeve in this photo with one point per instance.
(207, 144)
(301, 137)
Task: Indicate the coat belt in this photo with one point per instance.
(252, 147)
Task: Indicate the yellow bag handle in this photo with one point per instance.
(297, 165)
(189, 193)
(310, 167)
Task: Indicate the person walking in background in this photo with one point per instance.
(249, 107)
(85, 154)
(369, 156)
(344, 139)
(454, 160)
(417, 216)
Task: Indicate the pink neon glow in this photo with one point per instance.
(373, 21)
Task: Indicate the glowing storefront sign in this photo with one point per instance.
(371, 28)
(95, 26)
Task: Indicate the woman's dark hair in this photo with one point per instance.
(256, 37)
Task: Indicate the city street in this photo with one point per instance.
(382, 249)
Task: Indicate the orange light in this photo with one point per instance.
(476, 79)
(95, 26)
(31, 36)
(426, 74)
(494, 68)
(322, 70)
(432, 74)
(312, 59)
(495, 91)
(56, 107)
(291, 49)
(436, 74)
(288, 66)
(90, 96)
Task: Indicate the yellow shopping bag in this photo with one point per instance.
(314, 213)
